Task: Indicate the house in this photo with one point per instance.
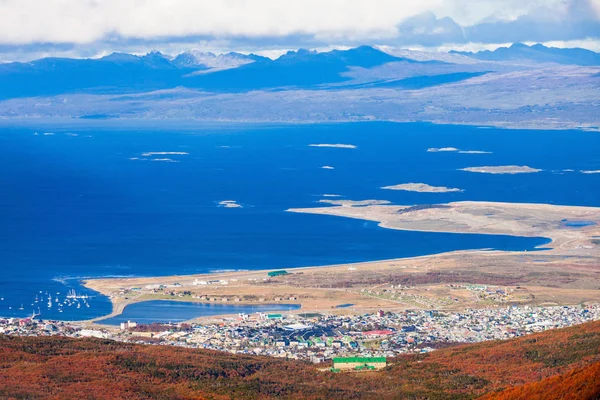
(359, 363)
(127, 325)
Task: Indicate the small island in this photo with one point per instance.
(229, 204)
(441, 149)
(591, 172)
(327, 167)
(474, 152)
(334, 145)
(422, 187)
(454, 149)
(331, 195)
(355, 203)
(506, 169)
(164, 160)
(164, 153)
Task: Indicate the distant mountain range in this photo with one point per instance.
(123, 73)
(235, 72)
(536, 53)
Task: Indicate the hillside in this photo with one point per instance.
(582, 383)
(554, 361)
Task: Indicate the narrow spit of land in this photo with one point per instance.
(564, 272)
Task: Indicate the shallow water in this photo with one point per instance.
(578, 224)
(165, 311)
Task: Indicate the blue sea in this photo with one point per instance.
(81, 200)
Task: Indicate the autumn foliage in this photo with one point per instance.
(556, 364)
(580, 384)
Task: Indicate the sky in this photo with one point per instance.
(87, 28)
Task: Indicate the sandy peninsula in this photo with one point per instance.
(565, 271)
(505, 169)
(334, 145)
(591, 172)
(516, 219)
(354, 203)
(422, 187)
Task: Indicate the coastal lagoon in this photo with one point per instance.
(88, 201)
(167, 311)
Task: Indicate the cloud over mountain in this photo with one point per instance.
(85, 26)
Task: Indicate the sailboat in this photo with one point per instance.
(73, 295)
(21, 308)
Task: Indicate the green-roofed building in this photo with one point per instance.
(359, 363)
(274, 316)
(273, 274)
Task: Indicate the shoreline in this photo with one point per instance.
(308, 290)
(119, 306)
(190, 123)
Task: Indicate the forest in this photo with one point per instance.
(556, 364)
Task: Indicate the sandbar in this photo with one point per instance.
(503, 169)
(422, 187)
(170, 160)
(354, 203)
(164, 153)
(229, 204)
(441, 149)
(334, 145)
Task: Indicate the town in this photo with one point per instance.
(319, 338)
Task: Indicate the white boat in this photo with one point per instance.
(73, 295)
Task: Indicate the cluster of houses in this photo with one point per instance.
(319, 337)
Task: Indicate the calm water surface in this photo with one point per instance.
(165, 311)
(84, 202)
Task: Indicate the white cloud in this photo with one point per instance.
(86, 21)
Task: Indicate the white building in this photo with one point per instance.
(127, 325)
